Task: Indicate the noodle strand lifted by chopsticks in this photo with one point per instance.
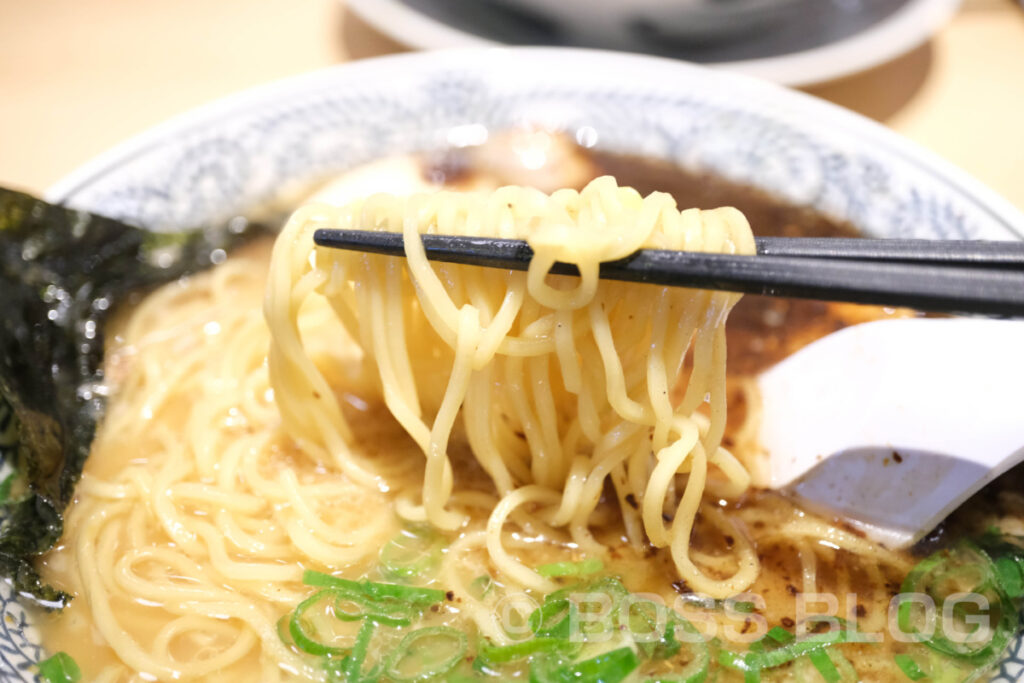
(562, 383)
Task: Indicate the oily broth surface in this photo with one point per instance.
(760, 332)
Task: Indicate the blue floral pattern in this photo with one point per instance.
(240, 152)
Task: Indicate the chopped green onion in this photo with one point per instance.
(481, 586)
(542, 620)
(739, 662)
(759, 658)
(645, 617)
(609, 585)
(1008, 571)
(823, 663)
(426, 670)
(387, 612)
(909, 667)
(414, 553)
(697, 669)
(609, 667)
(788, 653)
(503, 654)
(353, 664)
(549, 668)
(414, 595)
(846, 670)
(321, 580)
(780, 635)
(299, 628)
(743, 607)
(591, 565)
(5, 488)
(460, 677)
(59, 668)
(733, 660)
(282, 631)
(962, 569)
(607, 592)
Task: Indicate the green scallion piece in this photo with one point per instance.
(909, 667)
(282, 631)
(743, 607)
(823, 663)
(301, 630)
(553, 619)
(414, 553)
(759, 658)
(598, 602)
(424, 655)
(699, 665)
(353, 664)
(59, 668)
(460, 677)
(609, 585)
(787, 653)
(413, 595)
(481, 586)
(591, 565)
(645, 617)
(733, 660)
(964, 568)
(740, 662)
(387, 612)
(609, 667)
(503, 654)
(5, 488)
(321, 580)
(1008, 572)
(780, 635)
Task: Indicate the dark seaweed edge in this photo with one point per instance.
(62, 274)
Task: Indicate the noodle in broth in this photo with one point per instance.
(525, 418)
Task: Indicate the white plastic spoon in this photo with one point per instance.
(893, 424)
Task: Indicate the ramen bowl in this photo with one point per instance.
(614, 24)
(248, 149)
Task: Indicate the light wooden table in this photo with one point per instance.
(78, 76)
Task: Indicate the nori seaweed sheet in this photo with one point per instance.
(62, 273)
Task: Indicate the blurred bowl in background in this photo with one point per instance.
(793, 42)
(617, 24)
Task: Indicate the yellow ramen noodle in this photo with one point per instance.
(563, 384)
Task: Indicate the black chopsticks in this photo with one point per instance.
(952, 276)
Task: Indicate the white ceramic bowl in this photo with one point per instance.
(218, 160)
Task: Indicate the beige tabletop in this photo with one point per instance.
(77, 76)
